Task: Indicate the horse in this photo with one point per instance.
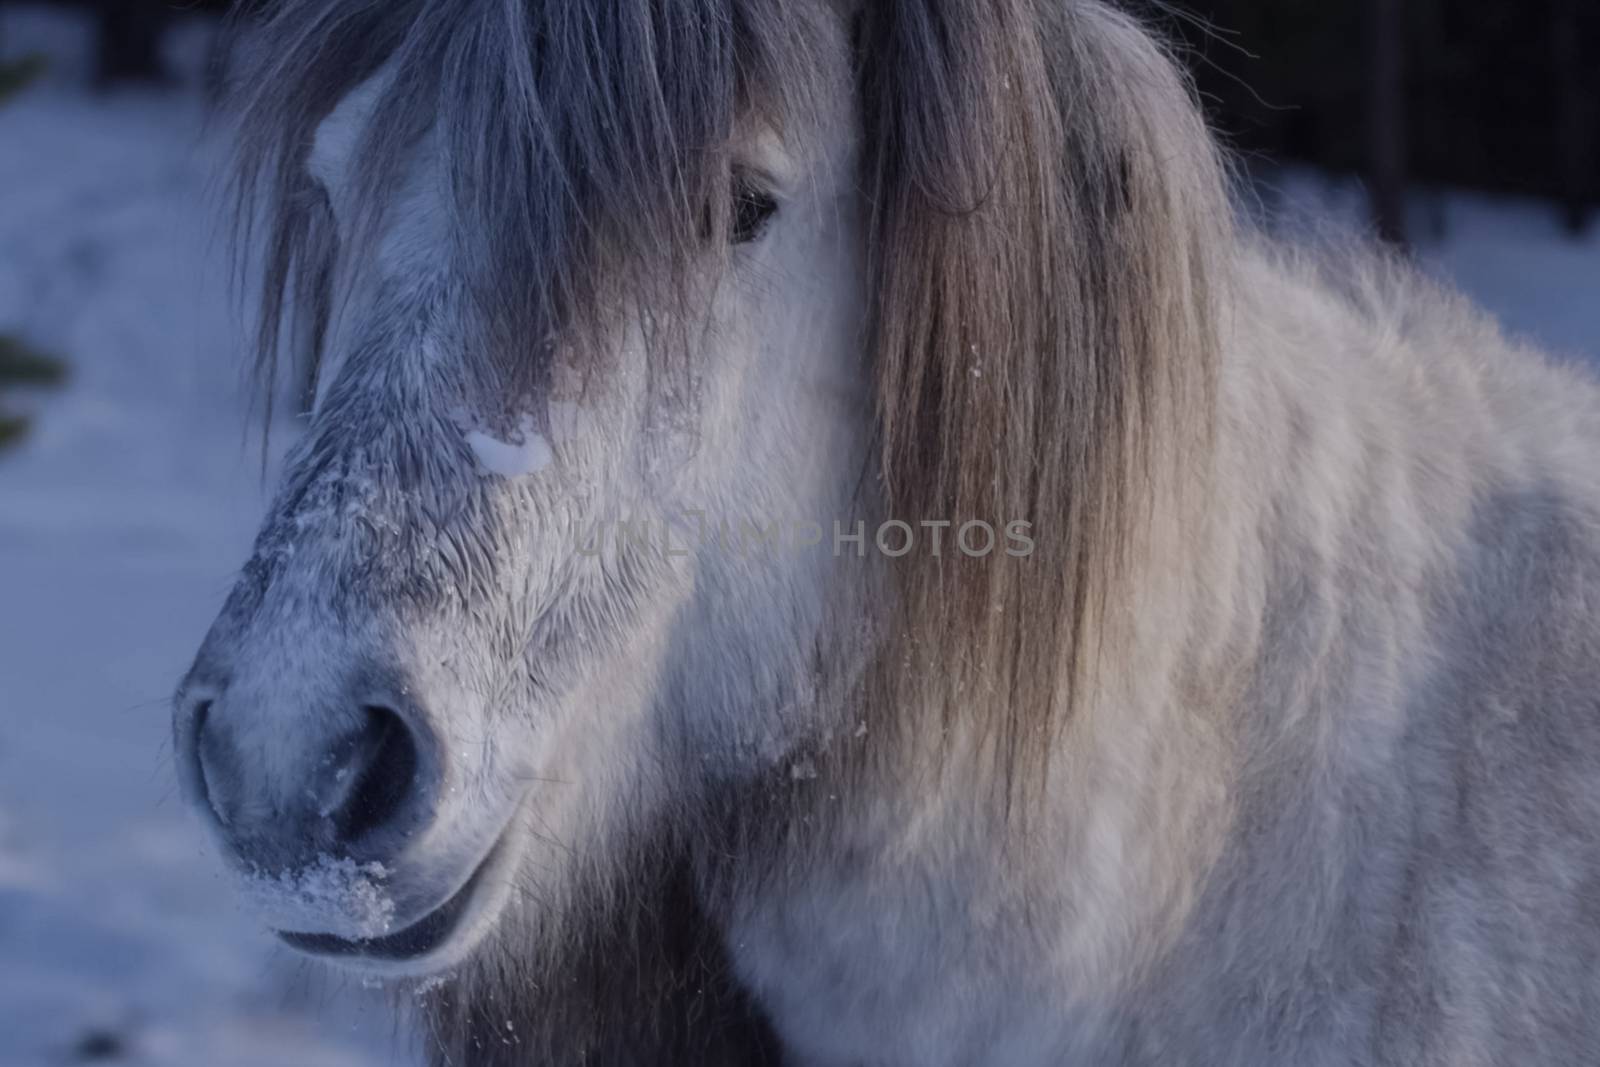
(825, 535)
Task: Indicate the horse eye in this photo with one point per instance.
(753, 209)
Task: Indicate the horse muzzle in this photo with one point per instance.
(327, 800)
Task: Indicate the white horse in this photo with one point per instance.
(1065, 627)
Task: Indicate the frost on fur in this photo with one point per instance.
(334, 896)
(528, 453)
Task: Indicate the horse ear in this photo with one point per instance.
(1046, 207)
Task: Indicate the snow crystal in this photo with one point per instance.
(528, 454)
(429, 985)
(334, 896)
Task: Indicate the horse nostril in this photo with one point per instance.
(379, 776)
(283, 781)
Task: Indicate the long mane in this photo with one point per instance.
(1049, 239)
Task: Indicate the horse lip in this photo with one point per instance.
(419, 939)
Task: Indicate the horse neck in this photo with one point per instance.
(1230, 647)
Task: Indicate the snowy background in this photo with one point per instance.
(123, 517)
(126, 511)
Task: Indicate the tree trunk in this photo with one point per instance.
(129, 46)
(1574, 129)
(1386, 118)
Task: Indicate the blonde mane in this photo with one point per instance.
(1050, 240)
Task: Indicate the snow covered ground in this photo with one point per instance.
(124, 515)
(122, 520)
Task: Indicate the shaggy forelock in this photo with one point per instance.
(586, 145)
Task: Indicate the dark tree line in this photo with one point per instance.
(1488, 94)
(128, 35)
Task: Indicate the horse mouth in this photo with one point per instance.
(422, 938)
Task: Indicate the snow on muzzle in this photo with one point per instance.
(326, 799)
(314, 786)
(322, 774)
